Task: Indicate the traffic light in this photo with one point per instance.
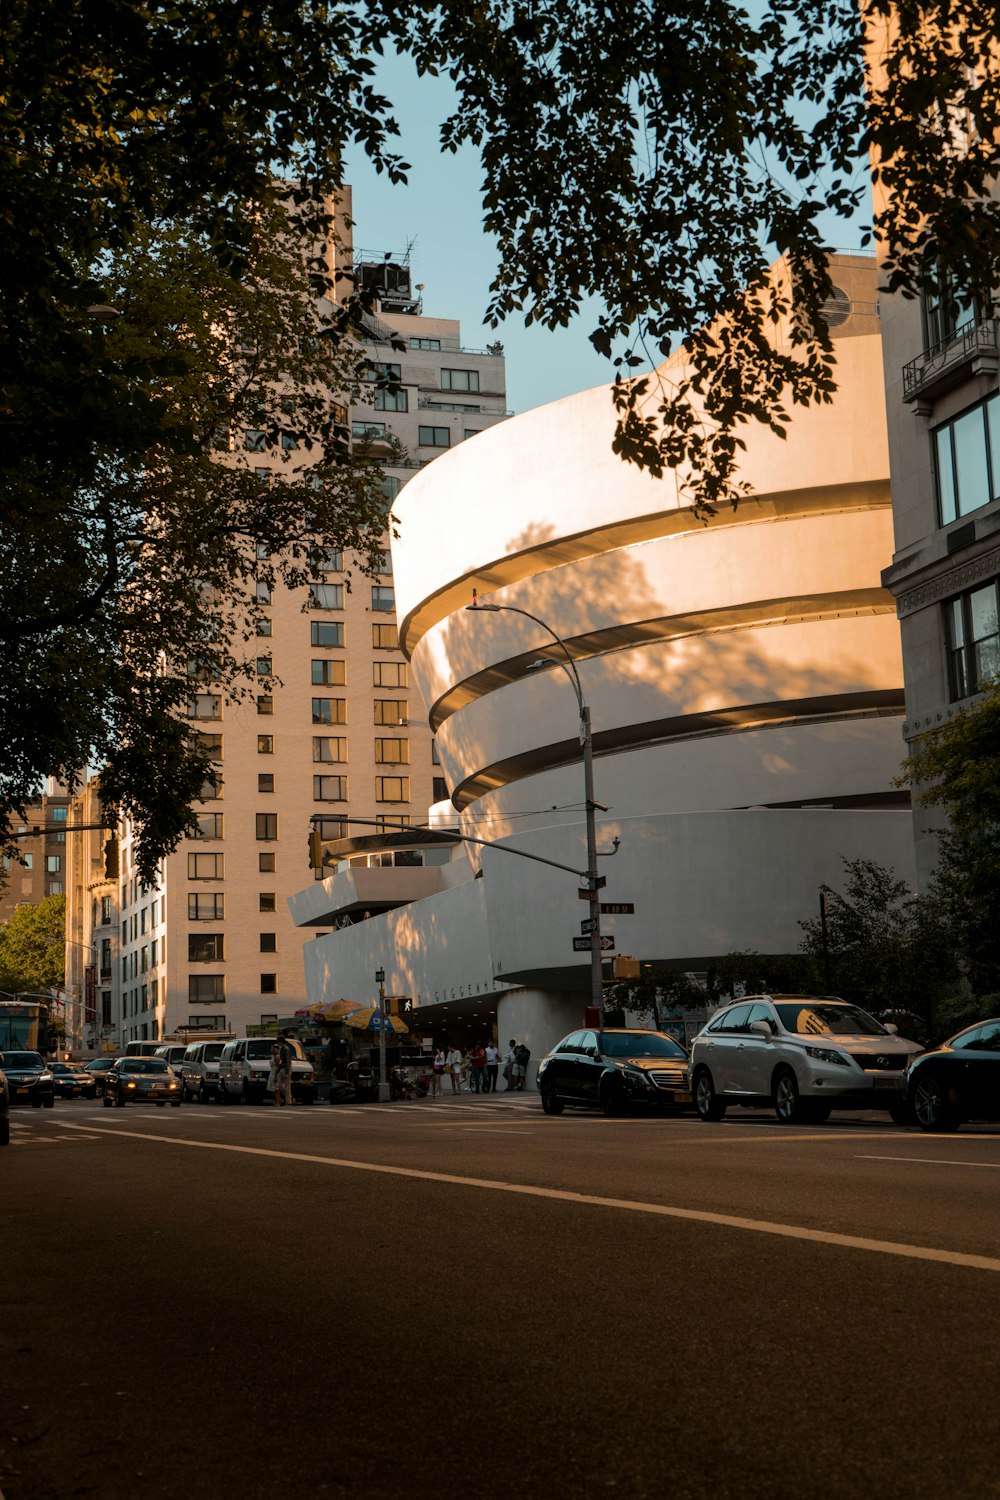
(111, 857)
(315, 849)
(625, 967)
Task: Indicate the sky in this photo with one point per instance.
(440, 211)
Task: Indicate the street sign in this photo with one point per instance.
(588, 925)
(599, 885)
(617, 909)
(582, 944)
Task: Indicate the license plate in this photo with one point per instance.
(888, 1083)
(21, 1089)
(682, 1096)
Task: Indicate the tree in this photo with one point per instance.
(957, 768)
(650, 153)
(31, 946)
(887, 949)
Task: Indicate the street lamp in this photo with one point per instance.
(586, 740)
(383, 1085)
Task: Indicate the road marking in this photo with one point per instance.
(936, 1161)
(563, 1195)
(492, 1130)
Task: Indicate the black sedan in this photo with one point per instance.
(98, 1070)
(4, 1112)
(28, 1079)
(959, 1080)
(141, 1080)
(67, 1081)
(630, 1068)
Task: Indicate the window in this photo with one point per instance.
(210, 907)
(392, 788)
(105, 911)
(946, 311)
(329, 710)
(330, 788)
(973, 636)
(330, 828)
(267, 864)
(265, 744)
(388, 752)
(390, 711)
(326, 596)
(460, 380)
(266, 825)
(263, 550)
(388, 394)
(263, 592)
(268, 901)
(329, 749)
(383, 598)
(385, 637)
(206, 866)
(397, 820)
(269, 984)
(53, 864)
(204, 706)
(967, 459)
(265, 704)
(263, 666)
(265, 782)
(254, 440)
(55, 888)
(206, 989)
(263, 626)
(451, 406)
(269, 942)
(390, 489)
(434, 437)
(208, 826)
(390, 674)
(327, 633)
(368, 429)
(211, 789)
(211, 744)
(470, 432)
(328, 674)
(425, 343)
(439, 790)
(206, 948)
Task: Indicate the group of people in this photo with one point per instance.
(479, 1070)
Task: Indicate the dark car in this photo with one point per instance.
(67, 1081)
(958, 1081)
(631, 1067)
(4, 1112)
(28, 1079)
(141, 1080)
(98, 1070)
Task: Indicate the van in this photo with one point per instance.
(246, 1063)
(173, 1054)
(200, 1071)
(142, 1049)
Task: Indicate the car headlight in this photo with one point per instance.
(45, 1078)
(827, 1055)
(130, 1085)
(635, 1078)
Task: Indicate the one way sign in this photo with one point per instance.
(582, 944)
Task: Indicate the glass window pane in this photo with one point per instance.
(983, 612)
(946, 476)
(970, 462)
(993, 423)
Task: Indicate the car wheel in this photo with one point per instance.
(931, 1105)
(551, 1105)
(706, 1100)
(119, 1101)
(107, 1101)
(611, 1099)
(816, 1114)
(788, 1104)
(901, 1112)
(49, 1103)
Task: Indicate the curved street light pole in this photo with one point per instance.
(587, 743)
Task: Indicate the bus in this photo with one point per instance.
(24, 1024)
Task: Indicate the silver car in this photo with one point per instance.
(802, 1054)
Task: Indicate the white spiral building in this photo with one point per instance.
(745, 687)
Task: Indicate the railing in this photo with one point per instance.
(949, 355)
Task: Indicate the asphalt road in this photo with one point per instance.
(469, 1298)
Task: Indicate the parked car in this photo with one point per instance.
(246, 1063)
(199, 1071)
(141, 1080)
(28, 1079)
(98, 1069)
(4, 1112)
(958, 1081)
(67, 1081)
(804, 1055)
(632, 1067)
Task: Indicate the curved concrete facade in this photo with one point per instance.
(744, 677)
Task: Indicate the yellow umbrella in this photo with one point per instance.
(334, 1010)
(370, 1019)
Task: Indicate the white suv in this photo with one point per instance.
(803, 1055)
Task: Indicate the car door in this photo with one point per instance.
(591, 1065)
(979, 1076)
(559, 1075)
(755, 1054)
(725, 1050)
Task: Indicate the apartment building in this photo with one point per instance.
(336, 732)
(41, 838)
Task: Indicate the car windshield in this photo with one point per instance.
(818, 1019)
(641, 1044)
(21, 1060)
(259, 1049)
(59, 1068)
(144, 1065)
(98, 1065)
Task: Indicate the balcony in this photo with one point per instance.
(970, 351)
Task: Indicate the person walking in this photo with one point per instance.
(272, 1077)
(477, 1068)
(492, 1067)
(454, 1065)
(283, 1081)
(508, 1067)
(437, 1072)
(522, 1056)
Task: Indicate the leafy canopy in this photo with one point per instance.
(32, 949)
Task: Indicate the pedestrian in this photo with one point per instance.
(508, 1067)
(272, 1077)
(283, 1080)
(454, 1065)
(492, 1067)
(437, 1072)
(522, 1056)
(477, 1068)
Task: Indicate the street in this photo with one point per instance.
(465, 1297)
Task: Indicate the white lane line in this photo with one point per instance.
(562, 1195)
(936, 1161)
(493, 1130)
